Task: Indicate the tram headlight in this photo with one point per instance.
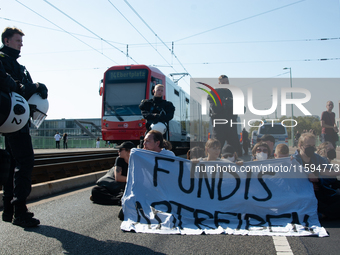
(140, 124)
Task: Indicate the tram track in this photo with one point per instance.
(55, 166)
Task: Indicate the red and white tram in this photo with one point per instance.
(124, 87)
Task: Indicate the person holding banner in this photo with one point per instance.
(270, 140)
(327, 151)
(281, 151)
(212, 150)
(261, 151)
(154, 141)
(195, 153)
(328, 199)
(228, 153)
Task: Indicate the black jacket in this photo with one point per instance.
(224, 111)
(8, 57)
(157, 110)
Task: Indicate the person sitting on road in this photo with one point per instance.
(261, 151)
(328, 199)
(270, 140)
(111, 186)
(229, 154)
(167, 145)
(212, 150)
(327, 151)
(154, 141)
(195, 153)
(281, 151)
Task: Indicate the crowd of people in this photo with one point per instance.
(110, 188)
(326, 185)
(18, 158)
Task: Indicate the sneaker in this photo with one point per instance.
(26, 220)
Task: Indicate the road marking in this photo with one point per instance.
(281, 245)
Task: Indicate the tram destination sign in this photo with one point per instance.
(127, 74)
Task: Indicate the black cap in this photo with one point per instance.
(126, 145)
(227, 150)
(268, 138)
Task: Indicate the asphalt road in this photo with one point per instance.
(72, 224)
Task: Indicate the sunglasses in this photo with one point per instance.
(261, 150)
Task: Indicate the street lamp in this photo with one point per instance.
(291, 96)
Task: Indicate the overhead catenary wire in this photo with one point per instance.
(263, 61)
(58, 30)
(138, 32)
(66, 31)
(88, 29)
(156, 36)
(181, 44)
(237, 21)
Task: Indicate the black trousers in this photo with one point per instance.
(18, 186)
(101, 195)
(328, 205)
(328, 138)
(225, 133)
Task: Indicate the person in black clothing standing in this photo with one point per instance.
(157, 110)
(223, 132)
(245, 141)
(18, 144)
(329, 130)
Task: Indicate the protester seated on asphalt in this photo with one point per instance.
(261, 151)
(327, 151)
(270, 140)
(281, 151)
(154, 141)
(328, 199)
(167, 145)
(229, 154)
(195, 153)
(111, 186)
(212, 150)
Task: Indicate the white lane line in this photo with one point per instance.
(281, 245)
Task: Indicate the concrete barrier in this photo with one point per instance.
(45, 189)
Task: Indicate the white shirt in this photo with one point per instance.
(57, 137)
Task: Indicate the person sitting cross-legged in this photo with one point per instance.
(110, 188)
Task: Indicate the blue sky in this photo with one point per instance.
(69, 44)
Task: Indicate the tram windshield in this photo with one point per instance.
(124, 91)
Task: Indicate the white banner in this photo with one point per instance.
(170, 195)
